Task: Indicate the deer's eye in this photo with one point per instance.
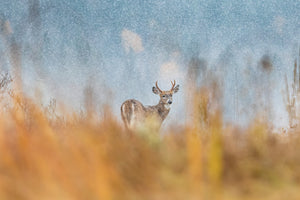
(164, 96)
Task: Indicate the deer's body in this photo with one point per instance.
(135, 114)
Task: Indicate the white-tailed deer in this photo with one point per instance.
(135, 114)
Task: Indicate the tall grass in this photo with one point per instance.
(43, 156)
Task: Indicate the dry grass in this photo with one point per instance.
(42, 157)
(45, 156)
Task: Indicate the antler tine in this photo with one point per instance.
(173, 84)
(157, 86)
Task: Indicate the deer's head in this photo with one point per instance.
(166, 96)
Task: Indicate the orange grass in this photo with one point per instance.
(43, 158)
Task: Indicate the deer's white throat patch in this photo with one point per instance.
(167, 106)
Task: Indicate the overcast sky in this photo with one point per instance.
(128, 45)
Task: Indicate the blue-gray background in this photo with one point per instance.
(68, 44)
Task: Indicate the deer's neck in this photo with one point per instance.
(162, 110)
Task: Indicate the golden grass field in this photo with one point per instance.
(77, 156)
(43, 156)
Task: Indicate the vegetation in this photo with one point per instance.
(74, 156)
(46, 153)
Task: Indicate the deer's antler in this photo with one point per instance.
(157, 86)
(173, 85)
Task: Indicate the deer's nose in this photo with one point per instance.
(170, 102)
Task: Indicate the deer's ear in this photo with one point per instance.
(176, 89)
(155, 90)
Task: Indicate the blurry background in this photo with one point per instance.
(115, 50)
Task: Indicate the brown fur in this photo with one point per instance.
(134, 113)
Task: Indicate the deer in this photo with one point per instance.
(134, 114)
